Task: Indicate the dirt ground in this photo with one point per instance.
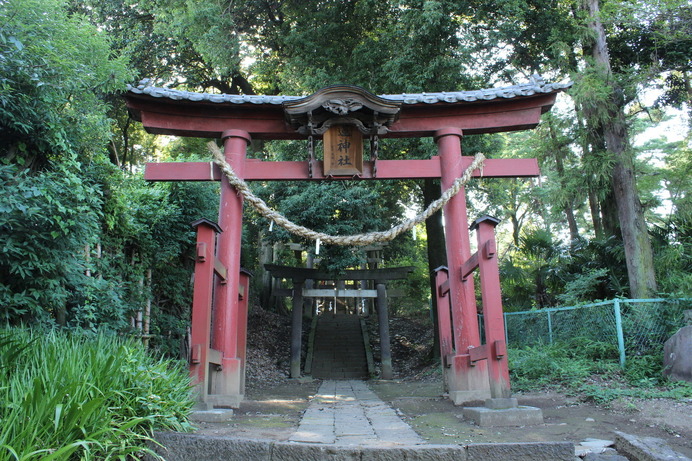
(274, 413)
(274, 404)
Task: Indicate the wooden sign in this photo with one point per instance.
(343, 151)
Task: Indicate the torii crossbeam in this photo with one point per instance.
(446, 117)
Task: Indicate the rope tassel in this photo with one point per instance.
(346, 240)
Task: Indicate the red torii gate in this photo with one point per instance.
(237, 119)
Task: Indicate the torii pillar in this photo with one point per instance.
(465, 382)
(227, 327)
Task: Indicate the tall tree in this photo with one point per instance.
(573, 38)
(609, 110)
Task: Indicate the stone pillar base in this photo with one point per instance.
(462, 397)
(225, 401)
(519, 416)
(212, 416)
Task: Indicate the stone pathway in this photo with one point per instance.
(349, 413)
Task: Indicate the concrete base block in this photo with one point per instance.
(462, 397)
(501, 404)
(520, 416)
(212, 416)
(202, 406)
(225, 401)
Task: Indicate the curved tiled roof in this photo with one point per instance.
(536, 86)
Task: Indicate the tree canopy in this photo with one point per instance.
(86, 243)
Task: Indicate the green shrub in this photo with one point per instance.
(644, 370)
(586, 348)
(591, 370)
(84, 397)
(540, 366)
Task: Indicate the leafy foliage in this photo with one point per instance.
(46, 220)
(55, 70)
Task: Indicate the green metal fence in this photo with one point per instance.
(636, 326)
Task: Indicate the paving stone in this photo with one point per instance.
(349, 413)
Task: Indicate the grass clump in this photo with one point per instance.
(69, 396)
(590, 369)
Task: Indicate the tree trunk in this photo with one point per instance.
(609, 215)
(595, 214)
(588, 143)
(559, 153)
(437, 252)
(635, 236)
(567, 206)
(516, 227)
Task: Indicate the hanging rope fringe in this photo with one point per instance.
(346, 240)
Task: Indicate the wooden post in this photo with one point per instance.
(383, 321)
(266, 256)
(296, 328)
(201, 309)
(444, 320)
(241, 325)
(309, 284)
(466, 382)
(493, 318)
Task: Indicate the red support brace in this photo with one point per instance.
(258, 170)
(201, 355)
(493, 320)
(444, 321)
(241, 331)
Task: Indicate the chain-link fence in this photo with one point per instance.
(635, 326)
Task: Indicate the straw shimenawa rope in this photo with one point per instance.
(346, 240)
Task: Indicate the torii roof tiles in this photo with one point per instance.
(536, 86)
(186, 113)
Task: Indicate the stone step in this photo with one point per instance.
(341, 358)
(349, 360)
(329, 351)
(339, 352)
(341, 367)
(340, 375)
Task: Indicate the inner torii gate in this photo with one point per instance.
(447, 117)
